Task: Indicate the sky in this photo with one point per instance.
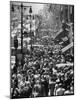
(35, 6)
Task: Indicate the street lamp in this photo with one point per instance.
(30, 11)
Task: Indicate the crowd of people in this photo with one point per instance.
(40, 76)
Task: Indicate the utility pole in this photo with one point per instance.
(21, 6)
(22, 33)
(21, 28)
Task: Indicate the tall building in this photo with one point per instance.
(67, 13)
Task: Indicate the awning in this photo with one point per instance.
(67, 47)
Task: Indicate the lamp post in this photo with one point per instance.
(21, 28)
(15, 46)
(22, 33)
(22, 6)
(30, 11)
(31, 18)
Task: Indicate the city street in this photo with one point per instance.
(42, 49)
